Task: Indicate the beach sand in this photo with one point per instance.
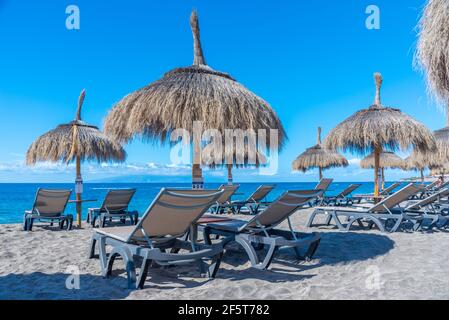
(355, 265)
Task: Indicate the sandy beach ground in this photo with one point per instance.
(355, 265)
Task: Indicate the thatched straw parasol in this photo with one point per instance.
(76, 141)
(416, 162)
(186, 95)
(387, 160)
(318, 157)
(432, 53)
(379, 128)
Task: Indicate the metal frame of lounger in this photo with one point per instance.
(375, 215)
(430, 209)
(260, 230)
(110, 209)
(224, 201)
(254, 201)
(55, 214)
(161, 227)
(343, 196)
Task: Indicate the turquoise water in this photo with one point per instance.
(16, 198)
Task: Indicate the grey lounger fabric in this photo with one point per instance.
(344, 197)
(49, 205)
(115, 206)
(379, 214)
(168, 218)
(261, 230)
(254, 202)
(224, 201)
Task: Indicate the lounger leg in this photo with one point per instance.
(328, 220)
(246, 245)
(102, 221)
(338, 222)
(397, 224)
(25, 222)
(206, 236)
(93, 243)
(312, 250)
(143, 272)
(30, 224)
(268, 258)
(129, 263)
(102, 254)
(312, 217)
(215, 265)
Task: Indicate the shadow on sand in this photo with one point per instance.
(335, 248)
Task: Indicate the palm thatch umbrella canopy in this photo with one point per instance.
(318, 157)
(75, 141)
(416, 162)
(387, 160)
(379, 128)
(432, 52)
(186, 95)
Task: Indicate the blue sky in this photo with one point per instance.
(312, 61)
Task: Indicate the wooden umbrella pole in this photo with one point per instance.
(230, 178)
(197, 173)
(383, 178)
(320, 171)
(78, 190)
(376, 171)
(422, 176)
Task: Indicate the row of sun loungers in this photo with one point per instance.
(175, 213)
(390, 213)
(167, 233)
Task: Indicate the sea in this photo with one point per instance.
(16, 198)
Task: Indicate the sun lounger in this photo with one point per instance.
(49, 205)
(261, 230)
(224, 201)
(115, 206)
(383, 193)
(254, 201)
(431, 209)
(379, 214)
(343, 197)
(157, 237)
(322, 187)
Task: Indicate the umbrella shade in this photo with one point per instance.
(76, 141)
(378, 128)
(433, 47)
(318, 157)
(186, 95)
(387, 160)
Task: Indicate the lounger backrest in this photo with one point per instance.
(348, 190)
(283, 207)
(430, 199)
(260, 193)
(229, 190)
(396, 198)
(51, 202)
(324, 184)
(390, 188)
(431, 185)
(117, 200)
(173, 211)
(444, 185)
